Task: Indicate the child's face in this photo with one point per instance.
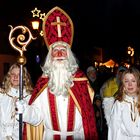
(98, 102)
(130, 84)
(14, 77)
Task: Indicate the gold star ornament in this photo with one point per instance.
(41, 33)
(42, 16)
(36, 12)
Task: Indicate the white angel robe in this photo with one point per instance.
(39, 111)
(124, 122)
(9, 126)
(107, 104)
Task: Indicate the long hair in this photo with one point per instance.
(120, 92)
(27, 83)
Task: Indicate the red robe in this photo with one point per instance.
(82, 96)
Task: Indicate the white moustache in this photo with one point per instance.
(59, 58)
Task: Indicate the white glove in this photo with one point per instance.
(20, 106)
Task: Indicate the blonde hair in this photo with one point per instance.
(27, 83)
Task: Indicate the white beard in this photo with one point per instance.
(60, 77)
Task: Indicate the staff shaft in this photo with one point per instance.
(20, 98)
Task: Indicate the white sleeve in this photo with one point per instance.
(115, 121)
(33, 114)
(107, 107)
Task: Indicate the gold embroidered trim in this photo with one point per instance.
(80, 79)
(135, 114)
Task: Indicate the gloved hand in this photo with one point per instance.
(20, 106)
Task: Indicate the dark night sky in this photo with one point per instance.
(101, 23)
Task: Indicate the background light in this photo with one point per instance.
(35, 25)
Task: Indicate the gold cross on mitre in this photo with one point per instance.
(59, 24)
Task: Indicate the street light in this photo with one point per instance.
(130, 52)
(35, 24)
(38, 18)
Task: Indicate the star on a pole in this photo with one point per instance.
(36, 12)
(42, 16)
(41, 33)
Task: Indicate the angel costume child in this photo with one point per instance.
(124, 121)
(9, 93)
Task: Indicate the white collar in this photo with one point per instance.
(131, 98)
